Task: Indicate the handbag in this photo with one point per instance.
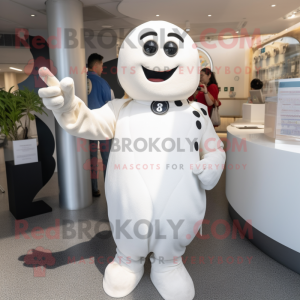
(215, 116)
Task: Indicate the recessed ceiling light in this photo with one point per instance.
(273, 5)
(157, 15)
(15, 69)
(209, 15)
(106, 26)
(33, 15)
(237, 31)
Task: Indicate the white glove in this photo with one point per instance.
(208, 173)
(58, 96)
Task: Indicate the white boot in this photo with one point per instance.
(172, 280)
(122, 276)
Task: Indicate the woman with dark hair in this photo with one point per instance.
(208, 90)
(256, 84)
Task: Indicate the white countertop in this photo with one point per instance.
(257, 136)
(262, 183)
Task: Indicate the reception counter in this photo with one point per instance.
(263, 189)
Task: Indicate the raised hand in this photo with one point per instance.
(58, 96)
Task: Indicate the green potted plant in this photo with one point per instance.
(16, 116)
(29, 102)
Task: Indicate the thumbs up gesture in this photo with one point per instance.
(58, 96)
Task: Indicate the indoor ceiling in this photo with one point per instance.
(127, 14)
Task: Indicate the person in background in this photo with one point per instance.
(99, 93)
(208, 90)
(256, 84)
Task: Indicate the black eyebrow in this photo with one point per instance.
(148, 33)
(176, 35)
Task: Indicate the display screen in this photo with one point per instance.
(288, 108)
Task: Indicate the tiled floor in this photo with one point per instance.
(208, 261)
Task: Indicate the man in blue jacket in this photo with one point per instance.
(99, 93)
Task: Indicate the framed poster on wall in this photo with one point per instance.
(205, 59)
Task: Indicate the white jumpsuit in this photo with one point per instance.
(148, 184)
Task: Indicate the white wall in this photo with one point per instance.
(106, 48)
(231, 108)
(229, 62)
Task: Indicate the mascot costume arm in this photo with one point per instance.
(209, 169)
(71, 112)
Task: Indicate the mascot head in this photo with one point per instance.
(158, 61)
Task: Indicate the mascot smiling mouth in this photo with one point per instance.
(156, 76)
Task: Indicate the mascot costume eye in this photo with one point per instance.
(165, 154)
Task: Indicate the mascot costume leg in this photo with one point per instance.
(155, 183)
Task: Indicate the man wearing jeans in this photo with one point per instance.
(99, 93)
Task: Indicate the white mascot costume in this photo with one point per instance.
(155, 181)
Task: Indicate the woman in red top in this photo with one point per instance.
(209, 91)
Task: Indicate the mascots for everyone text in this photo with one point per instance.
(155, 183)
